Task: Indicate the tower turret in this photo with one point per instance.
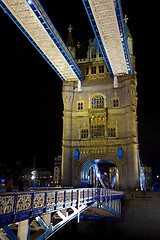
(70, 42)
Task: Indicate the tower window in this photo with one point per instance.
(84, 133)
(111, 132)
(115, 103)
(80, 106)
(100, 54)
(97, 131)
(101, 69)
(98, 102)
(87, 70)
(93, 70)
(94, 53)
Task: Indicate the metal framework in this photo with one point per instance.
(109, 27)
(123, 33)
(107, 22)
(98, 175)
(106, 18)
(32, 20)
(25, 207)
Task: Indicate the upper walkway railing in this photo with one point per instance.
(33, 21)
(19, 206)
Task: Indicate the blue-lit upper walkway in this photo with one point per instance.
(33, 21)
(107, 21)
(106, 18)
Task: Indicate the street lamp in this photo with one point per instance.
(33, 177)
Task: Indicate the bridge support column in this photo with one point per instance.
(68, 95)
(23, 230)
(132, 167)
(142, 215)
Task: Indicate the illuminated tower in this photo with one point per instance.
(99, 118)
(100, 122)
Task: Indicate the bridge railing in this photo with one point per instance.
(15, 207)
(108, 193)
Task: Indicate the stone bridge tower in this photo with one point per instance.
(100, 121)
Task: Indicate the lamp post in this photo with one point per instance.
(33, 177)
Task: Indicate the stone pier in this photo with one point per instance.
(142, 215)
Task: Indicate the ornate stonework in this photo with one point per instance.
(98, 121)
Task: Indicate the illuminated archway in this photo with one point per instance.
(85, 171)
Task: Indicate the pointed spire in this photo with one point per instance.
(129, 36)
(70, 28)
(70, 42)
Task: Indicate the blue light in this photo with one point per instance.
(93, 218)
(3, 180)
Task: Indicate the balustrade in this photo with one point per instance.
(15, 207)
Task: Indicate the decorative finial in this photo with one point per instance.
(70, 29)
(78, 45)
(125, 19)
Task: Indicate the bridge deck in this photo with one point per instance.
(33, 21)
(18, 206)
(107, 21)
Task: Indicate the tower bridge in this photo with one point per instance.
(100, 122)
(99, 93)
(99, 117)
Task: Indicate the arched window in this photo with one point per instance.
(115, 103)
(98, 101)
(94, 53)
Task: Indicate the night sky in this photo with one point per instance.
(31, 101)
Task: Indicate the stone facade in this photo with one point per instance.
(99, 120)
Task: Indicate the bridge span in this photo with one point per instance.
(105, 96)
(26, 208)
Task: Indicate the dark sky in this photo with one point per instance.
(31, 102)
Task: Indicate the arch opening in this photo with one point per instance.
(99, 172)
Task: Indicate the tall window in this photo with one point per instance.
(100, 54)
(94, 53)
(84, 133)
(98, 101)
(101, 69)
(98, 131)
(87, 70)
(111, 132)
(93, 70)
(115, 102)
(80, 106)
